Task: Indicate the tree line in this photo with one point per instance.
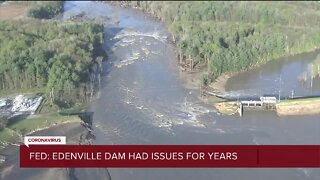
(62, 58)
(229, 37)
(45, 9)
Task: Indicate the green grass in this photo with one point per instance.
(45, 108)
(213, 100)
(298, 101)
(7, 135)
(42, 121)
(12, 132)
(75, 109)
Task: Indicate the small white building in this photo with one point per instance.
(268, 99)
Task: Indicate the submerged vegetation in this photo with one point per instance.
(315, 67)
(312, 72)
(235, 36)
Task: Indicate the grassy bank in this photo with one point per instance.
(305, 106)
(298, 101)
(213, 100)
(14, 132)
(8, 135)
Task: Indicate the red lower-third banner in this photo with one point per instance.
(149, 156)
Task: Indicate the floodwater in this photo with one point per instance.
(142, 100)
(278, 77)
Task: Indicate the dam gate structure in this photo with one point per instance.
(265, 102)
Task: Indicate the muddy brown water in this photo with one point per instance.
(142, 100)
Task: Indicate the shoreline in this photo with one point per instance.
(41, 131)
(298, 107)
(16, 133)
(75, 134)
(191, 79)
(219, 84)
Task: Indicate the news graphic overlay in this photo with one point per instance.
(44, 140)
(169, 156)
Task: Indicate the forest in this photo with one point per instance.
(228, 37)
(62, 58)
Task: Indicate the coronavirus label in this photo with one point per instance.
(28, 140)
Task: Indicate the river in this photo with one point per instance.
(277, 77)
(143, 100)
